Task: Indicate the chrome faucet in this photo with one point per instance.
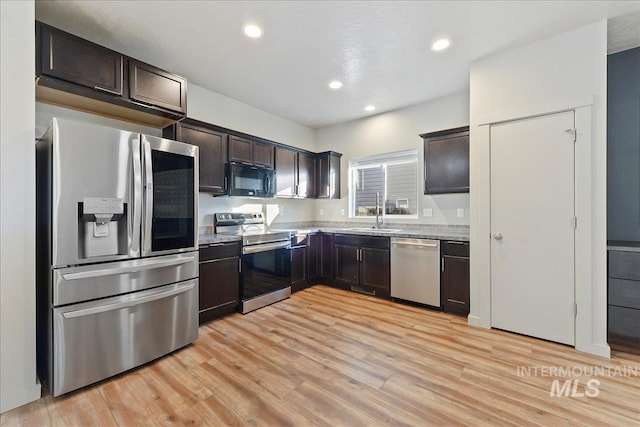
(379, 220)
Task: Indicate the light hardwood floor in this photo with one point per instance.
(330, 357)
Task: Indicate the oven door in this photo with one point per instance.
(251, 181)
(266, 274)
(170, 196)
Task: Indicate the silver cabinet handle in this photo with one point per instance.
(497, 236)
(424, 245)
(104, 89)
(127, 304)
(140, 266)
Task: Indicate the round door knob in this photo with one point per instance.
(497, 236)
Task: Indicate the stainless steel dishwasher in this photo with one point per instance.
(415, 270)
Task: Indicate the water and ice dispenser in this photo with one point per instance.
(102, 227)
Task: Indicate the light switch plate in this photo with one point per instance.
(428, 212)
(460, 212)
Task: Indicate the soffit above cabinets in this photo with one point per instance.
(379, 50)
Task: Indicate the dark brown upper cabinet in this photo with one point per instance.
(70, 58)
(286, 169)
(240, 150)
(263, 154)
(79, 74)
(154, 86)
(446, 161)
(213, 153)
(328, 175)
(306, 175)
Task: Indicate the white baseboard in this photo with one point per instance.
(596, 349)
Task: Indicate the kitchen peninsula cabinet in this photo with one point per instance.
(213, 153)
(77, 73)
(362, 264)
(455, 277)
(219, 283)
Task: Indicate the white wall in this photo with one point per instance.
(18, 382)
(395, 131)
(558, 72)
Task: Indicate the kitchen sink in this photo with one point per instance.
(375, 230)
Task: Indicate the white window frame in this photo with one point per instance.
(397, 157)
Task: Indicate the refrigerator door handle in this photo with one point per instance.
(137, 196)
(140, 266)
(148, 198)
(130, 303)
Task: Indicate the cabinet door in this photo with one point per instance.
(286, 165)
(374, 270)
(298, 268)
(240, 150)
(455, 285)
(262, 154)
(219, 286)
(346, 265)
(154, 86)
(306, 175)
(446, 162)
(326, 256)
(213, 155)
(313, 252)
(79, 61)
(328, 176)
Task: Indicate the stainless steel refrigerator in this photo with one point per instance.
(117, 260)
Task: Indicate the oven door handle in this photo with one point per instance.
(265, 247)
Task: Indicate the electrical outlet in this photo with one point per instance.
(342, 212)
(321, 212)
(460, 212)
(428, 212)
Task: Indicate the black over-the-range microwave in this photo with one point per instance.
(251, 181)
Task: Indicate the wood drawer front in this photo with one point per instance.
(362, 241)
(154, 86)
(624, 265)
(219, 250)
(624, 293)
(79, 61)
(453, 248)
(624, 321)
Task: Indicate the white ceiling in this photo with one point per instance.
(379, 49)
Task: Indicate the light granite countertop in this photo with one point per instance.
(393, 232)
(211, 239)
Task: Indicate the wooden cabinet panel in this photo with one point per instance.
(313, 257)
(67, 57)
(326, 256)
(263, 154)
(213, 155)
(328, 175)
(154, 86)
(298, 268)
(240, 150)
(446, 161)
(375, 270)
(306, 175)
(455, 285)
(219, 286)
(286, 169)
(347, 267)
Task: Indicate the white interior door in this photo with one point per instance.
(532, 227)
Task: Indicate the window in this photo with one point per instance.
(394, 176)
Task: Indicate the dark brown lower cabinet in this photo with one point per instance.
(219, 281)
(298, 268)
(325, 258)
(454, 280)
(362, 264)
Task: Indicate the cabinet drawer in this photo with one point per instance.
(219, 250)
(624, 265)
(362, 241)
(454, 248)
(624, 321)
(624, 293)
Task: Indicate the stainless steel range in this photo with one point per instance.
(266, 259)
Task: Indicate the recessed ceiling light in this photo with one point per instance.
(440, 44)
(335, 84)
(369, 108)
(252, 31)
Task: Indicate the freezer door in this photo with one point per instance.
(76, 284)
(170, 179)
(99, 339)
(96, 185)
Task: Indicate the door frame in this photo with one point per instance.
(590, 238)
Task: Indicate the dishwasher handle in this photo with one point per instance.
(423, 245)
